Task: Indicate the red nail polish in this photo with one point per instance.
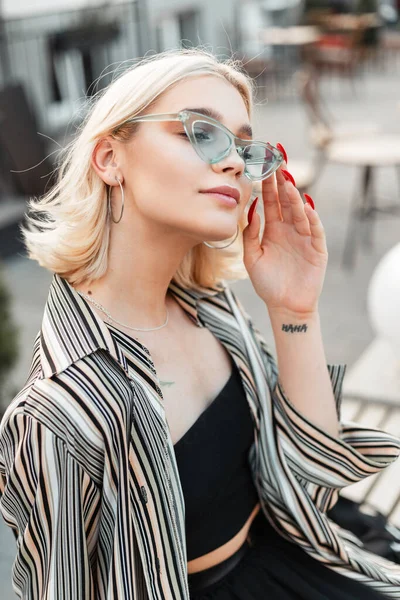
(282, 149)
(251, 211)
(288, 176)
(310, 201)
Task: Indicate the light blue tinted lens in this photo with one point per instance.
(259, 160)
(212, 141)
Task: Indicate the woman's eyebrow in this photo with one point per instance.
(209, 112)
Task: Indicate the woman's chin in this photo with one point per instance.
(217, 235)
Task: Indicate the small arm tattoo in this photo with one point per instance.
(294, 328)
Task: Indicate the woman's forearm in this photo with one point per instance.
(302, 366)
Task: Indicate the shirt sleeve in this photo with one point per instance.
(52, 506)
(323, 464)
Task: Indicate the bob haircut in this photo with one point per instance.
(68, 229)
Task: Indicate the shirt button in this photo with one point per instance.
(144, 493)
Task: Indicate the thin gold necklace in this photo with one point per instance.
(110, 318)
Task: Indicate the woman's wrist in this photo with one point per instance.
(302, 367)
(283, 317)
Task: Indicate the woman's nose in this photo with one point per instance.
(232, 162)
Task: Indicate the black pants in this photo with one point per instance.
(275, 569)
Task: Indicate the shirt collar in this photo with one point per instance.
(71, 329)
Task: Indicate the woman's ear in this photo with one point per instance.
(105, 163)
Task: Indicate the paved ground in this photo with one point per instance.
(346, 327)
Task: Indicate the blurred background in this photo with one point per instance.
(328, 89)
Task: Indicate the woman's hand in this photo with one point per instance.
(287, 267)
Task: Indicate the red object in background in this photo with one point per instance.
(335, 40)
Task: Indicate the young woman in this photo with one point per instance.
(154, 453)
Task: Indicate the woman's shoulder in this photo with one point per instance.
(81, 405)
(48, 419)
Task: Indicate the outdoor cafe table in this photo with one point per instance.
(290, 42)
(348, 23)
(368, 153)
(300, 35)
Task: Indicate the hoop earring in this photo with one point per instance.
(226, 245)
(109, 201)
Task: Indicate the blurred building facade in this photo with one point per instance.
(57, 54)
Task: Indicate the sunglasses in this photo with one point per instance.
(213, 142)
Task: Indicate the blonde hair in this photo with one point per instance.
(68, 229)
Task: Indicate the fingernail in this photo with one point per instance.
(288, 176)
(251, 211)
(282, 149)
(309, 200)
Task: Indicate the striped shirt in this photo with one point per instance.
(88, 477)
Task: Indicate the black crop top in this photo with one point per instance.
(212, 458)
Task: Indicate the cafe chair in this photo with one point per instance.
(359, 145)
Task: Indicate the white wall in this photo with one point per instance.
(215, 16)
(19, 8)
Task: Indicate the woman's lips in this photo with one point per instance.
(224, 198)
(226, 190)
